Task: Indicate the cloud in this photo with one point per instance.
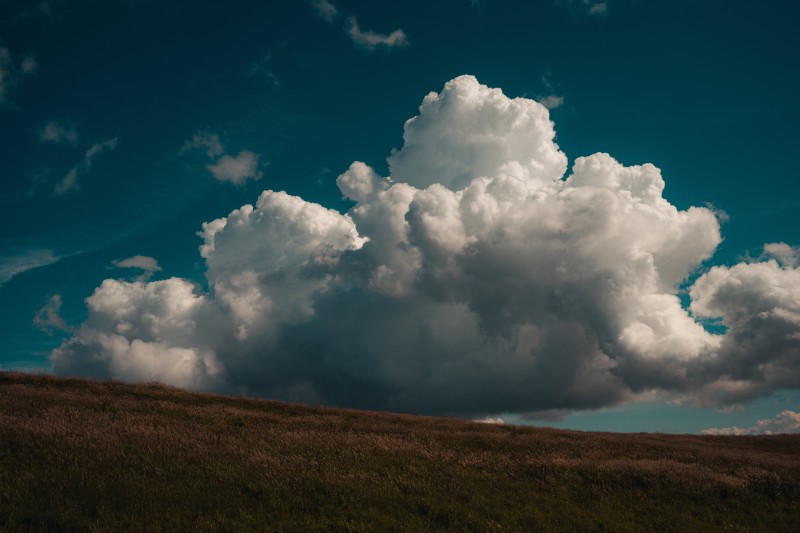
(16, 262)
(552, 101)
(209, 141)
(234, 169)
(325, 9)
(237, 169)
(592, 8)
(784, 422)
(12, 74)
(480, 277)
(490, 420)
(371, 40)
(147, 264)
(70, 183)
(49, 319)
(57, 133)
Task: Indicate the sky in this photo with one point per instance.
(574, 213)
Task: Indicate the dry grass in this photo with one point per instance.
(95, 456)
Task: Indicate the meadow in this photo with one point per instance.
(79, 455)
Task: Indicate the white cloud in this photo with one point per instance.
(371, 40)
(16, 262)
(70, 182)
(552, 102)
(478, 278)
(58, 133)
(147, 264)
(784, 422)
(12, 74)
(490, 420)
(325, 9)
(49, 319)
(237, 169)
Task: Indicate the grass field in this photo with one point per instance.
(81, 455)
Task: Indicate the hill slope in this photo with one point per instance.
(84, 455)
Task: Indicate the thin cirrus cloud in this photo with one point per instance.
(226, 168)
(70, 182)
(15, 262)
(366, 39)
(481, 277)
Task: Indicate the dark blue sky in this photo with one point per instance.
(706, 91)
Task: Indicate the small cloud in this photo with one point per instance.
(325, 9)
(209, 141)
(70, 183)
(490, 420)
(67, 183)
(261, 68)
(57, 133)
(371, 40)
(592, 8)
(13, 264)
(784, 422)
(12, 74)
(225, 167)
(236, 169)
(552, 101)
(147, 264)
(48, 318)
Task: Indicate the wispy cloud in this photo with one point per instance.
(49, 318)
(69, 182)
(59, 133)
(371, 40)
(784, 422)
(592, 8)
(262, 67)
(12, 73)
(325, 9)
(233, 169)
(14, 263)
(552, 101)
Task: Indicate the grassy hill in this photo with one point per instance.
(81, 455)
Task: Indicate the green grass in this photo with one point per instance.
(80, 455)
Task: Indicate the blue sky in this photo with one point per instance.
(126, 125)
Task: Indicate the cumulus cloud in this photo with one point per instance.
(236, 169)
(49, 319)
(371, 40)
(480, 277)
(70, 182)
(146, 264)
(13, 73)
(233, 169)
(784, 422)
(58, 133)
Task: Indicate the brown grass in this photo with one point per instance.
(96, 456)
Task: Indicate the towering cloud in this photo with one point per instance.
(478, 278)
